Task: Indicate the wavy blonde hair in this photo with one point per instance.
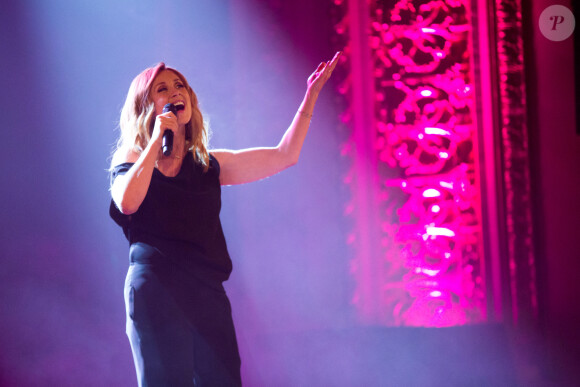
(138, 117)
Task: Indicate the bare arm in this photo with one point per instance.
(247, 165)
(129, 190)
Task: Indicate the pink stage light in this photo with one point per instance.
(431, 193)
(440, 231)
(437, 131)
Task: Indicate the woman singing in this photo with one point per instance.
(179, 318)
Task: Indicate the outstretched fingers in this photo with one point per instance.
(323, 72)
(331, 64)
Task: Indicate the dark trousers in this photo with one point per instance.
(181, 330)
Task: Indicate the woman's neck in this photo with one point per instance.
(170, 165)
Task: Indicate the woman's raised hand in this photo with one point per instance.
(319, 77)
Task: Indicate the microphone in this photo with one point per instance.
(167, 142)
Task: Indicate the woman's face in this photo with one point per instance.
(169, 88)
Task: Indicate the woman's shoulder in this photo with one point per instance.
(124, 155)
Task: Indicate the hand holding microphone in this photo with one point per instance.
(167, 142)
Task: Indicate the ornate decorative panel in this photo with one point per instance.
(430, 270)
(416, 151)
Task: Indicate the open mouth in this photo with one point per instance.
(180, 105)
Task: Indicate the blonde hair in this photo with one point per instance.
(138, 117)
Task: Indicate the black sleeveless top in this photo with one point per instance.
(180, 218)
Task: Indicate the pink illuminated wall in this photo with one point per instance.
(424, 266)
